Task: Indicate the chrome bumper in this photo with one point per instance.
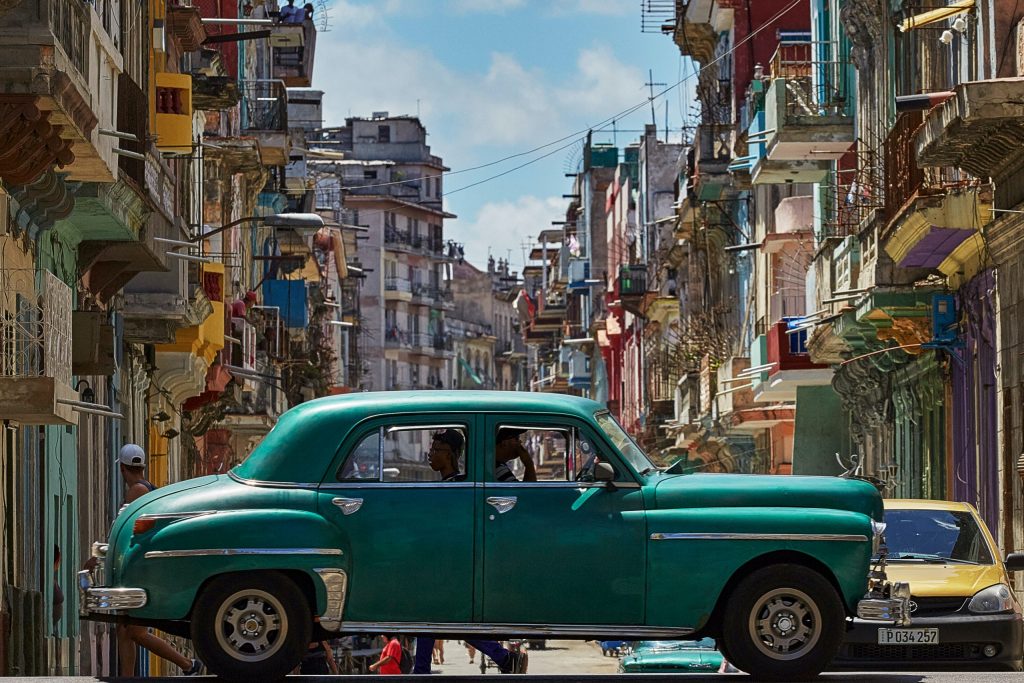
(889, 602)
(102, 599)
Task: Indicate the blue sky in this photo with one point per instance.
(492, 78)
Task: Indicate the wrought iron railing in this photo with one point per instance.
(632, 280)
(816, 83)
(853, 196)
(35, 331)
(265, 105)
(904, 179)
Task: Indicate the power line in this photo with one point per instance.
(601, 125)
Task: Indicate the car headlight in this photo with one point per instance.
(877, 533)
(997, 598)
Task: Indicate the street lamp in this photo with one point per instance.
(303, 223)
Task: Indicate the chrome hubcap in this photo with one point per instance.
(251, 625)
(785, 624)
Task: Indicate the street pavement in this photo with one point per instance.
(566, 660)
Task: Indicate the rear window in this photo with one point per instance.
(935, 535)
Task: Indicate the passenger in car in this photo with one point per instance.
(509, 448)
(445, 449)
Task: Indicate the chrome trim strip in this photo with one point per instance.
(377, 484)
(336, 584)
(223, 552)
(422, 427)
(177, 515)
(271, 484)
(551, 484)
(412, 628)
(856, 538)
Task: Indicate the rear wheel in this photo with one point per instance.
(251, 628)
(783, 623)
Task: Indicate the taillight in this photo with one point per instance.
(142, 525)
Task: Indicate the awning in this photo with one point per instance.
(469, 371)
(934, 15)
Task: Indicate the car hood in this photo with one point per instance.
(743, 490)
(946, 580)
(706, 660)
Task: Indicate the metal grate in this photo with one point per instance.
(948, 651)
(934, 606)
(35, 333)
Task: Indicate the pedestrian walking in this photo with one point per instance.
(471, 651)
(390, 662)
(132, 464)
(438, 651)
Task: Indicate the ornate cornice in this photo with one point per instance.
(864, 21)
(44, 201)
(29, 143)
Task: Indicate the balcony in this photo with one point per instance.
(712, 154)
(633, 287)
(293, 50)
(791, 366)
(806, 105)
(185, 25)
(397, 338)
(579, 369)
(934, 213)
(60, 71)
(35, 350)
(397, 289)
(173, 112)
(980, 129)
(265, 117)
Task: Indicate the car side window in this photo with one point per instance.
(532, 453)
(407, 454)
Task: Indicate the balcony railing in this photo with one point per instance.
(632, 280)
(395, 337)
(265, 105)
(397, 284)
(35, 334)
(904, 178)
(403, 238)
(856, 195)
(814, 86)
(70, 24)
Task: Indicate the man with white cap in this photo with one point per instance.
(132, 463)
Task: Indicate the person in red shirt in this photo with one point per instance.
(390, 660)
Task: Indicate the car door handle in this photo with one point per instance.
(502, 503)
(348, 505)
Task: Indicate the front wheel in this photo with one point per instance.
(783, 623)
(248, 628)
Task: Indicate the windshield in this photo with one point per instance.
(630, 451)
(935, 536)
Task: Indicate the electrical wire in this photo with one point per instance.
(604, 123)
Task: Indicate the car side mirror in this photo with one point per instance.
(392, 472)
(604, 472)
(1015, 562)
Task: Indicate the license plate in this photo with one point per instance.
(908, 636)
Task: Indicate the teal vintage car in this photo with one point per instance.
(339, 523)
(680, 656)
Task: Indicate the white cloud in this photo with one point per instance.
(506, 104)
(503, 226)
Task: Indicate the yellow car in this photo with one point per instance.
(963, 611)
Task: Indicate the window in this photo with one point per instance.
(408, 454)
(383, 133)
(544, 454)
